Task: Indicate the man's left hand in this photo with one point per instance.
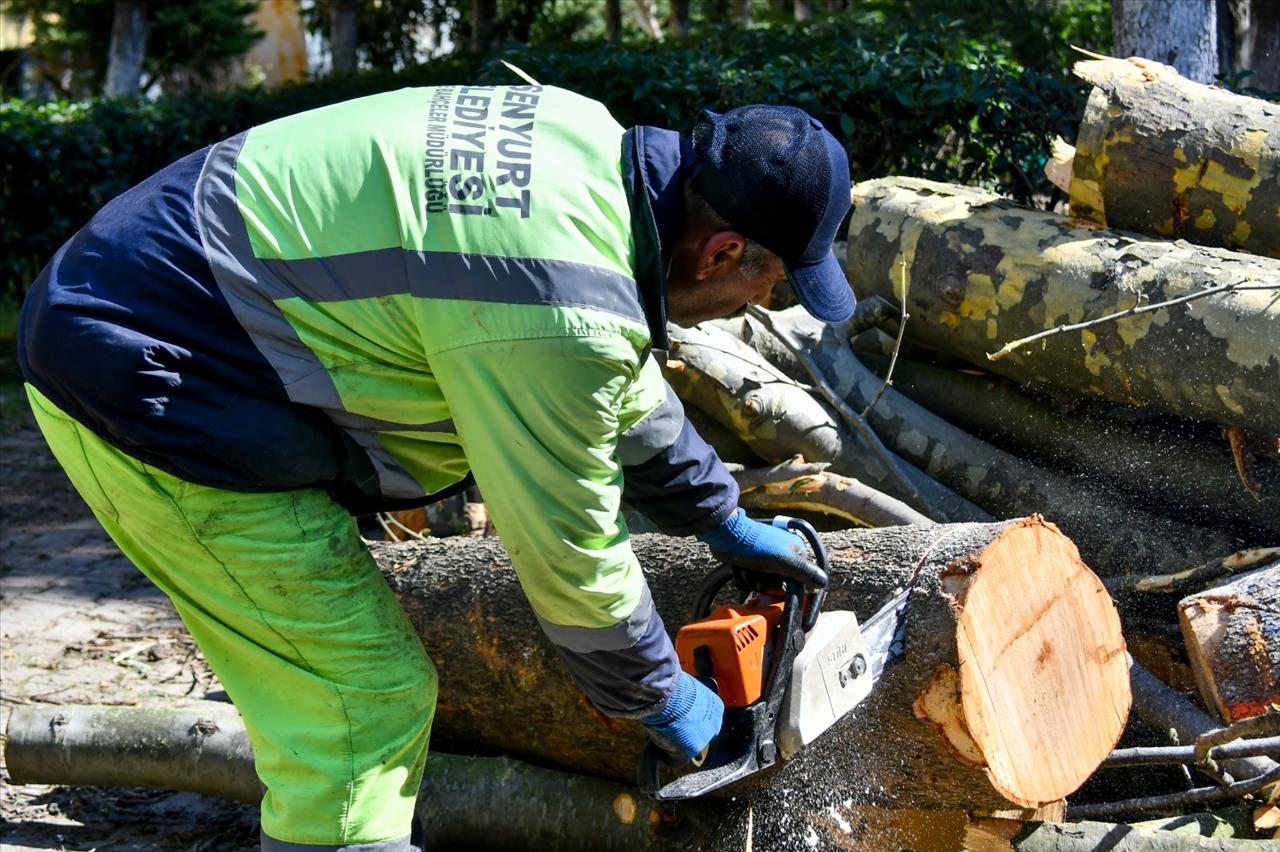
(763, 549)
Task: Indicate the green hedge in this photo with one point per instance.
(931, 104)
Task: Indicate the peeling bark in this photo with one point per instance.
(1158, 153)
(983, 272)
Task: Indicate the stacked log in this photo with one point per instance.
(1161, 154)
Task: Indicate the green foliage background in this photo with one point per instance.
(928, 99)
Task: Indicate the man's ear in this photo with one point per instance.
(719, 253)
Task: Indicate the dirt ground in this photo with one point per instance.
(80, 625)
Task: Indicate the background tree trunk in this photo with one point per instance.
(484, 19)
(803, 10)
(613, 19)
(1140, 165)
(128, 47)
(981, 272)
(1251, 42)
(1062, 675)
(678, 20)
(343, 35)
(645, 14)
(1183, 34)
(742, 13)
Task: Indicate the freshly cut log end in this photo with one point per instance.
(1233, 641)
(1042, 720)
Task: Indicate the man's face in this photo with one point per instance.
(710, 283)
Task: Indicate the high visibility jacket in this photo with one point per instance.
(381, 296)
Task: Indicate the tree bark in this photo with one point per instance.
(127, 49)
(1233, 640)
(484, 19)
(1003, 484)
(1172, 714)
(206, 750)
(1257, 32)
(613, 19)
(803, 10)
(742, 13)
(1012, 650)
(1182, 34)
(1185, 472)
(982, 272)
(713, 371)
(1160, 154)
(679, 18)
(1090, 836)
(799, 486)
(343, 35)
(645, 14)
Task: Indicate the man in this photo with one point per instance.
(351, 310)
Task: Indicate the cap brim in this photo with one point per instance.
(823, 288)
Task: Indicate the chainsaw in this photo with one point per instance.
(785, 670)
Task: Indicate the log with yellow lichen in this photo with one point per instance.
(981, 272)
(1160, 154)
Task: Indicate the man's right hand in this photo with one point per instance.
(689, 722)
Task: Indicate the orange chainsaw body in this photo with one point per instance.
(729, 646)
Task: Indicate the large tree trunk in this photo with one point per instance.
(1187, 472)
(343, 35)
(724, 378)
(1160, 154)
(1002, 483)
(1013, 657)
(484, 23)
(1183, 34)
(1233, 640)
(1256, 25)
(127, 49)
(982, 273)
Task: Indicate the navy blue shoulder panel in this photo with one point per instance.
(127, 331)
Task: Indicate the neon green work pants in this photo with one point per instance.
(288, 607)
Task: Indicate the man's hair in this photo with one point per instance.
(699, 214)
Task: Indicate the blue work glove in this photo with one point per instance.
(689, 722)
(763, 549)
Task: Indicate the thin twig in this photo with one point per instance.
(1173, 801)
(897, 344)
(1138, 308)
(845, 411)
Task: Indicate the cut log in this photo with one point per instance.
(1004, 484)
(1186, 472)
(983, 273)
(1013, 660)
(463, 803)
(712, 371)
(1233, 640)
(1160, 154)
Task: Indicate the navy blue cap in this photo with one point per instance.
(781, 179)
